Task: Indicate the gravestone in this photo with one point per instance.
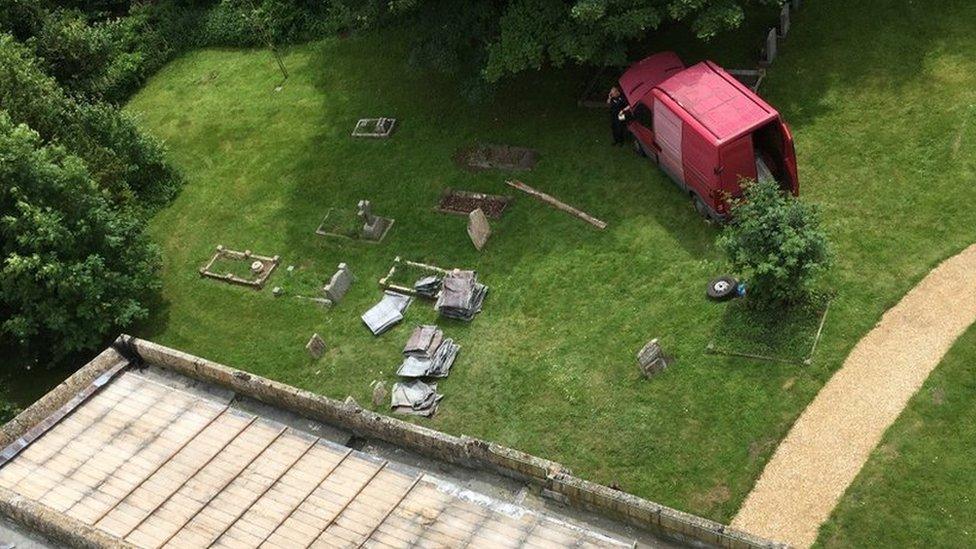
(339, 284)
(374, 227)
(478, 228)
(784, 20)
(769, 53)
(316, 346)
(651, 360)
(379, 393)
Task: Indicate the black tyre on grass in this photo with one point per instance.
(722, 288)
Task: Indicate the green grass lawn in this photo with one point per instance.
(918, 487)
(880, 96)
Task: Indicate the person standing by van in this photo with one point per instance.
(618, 115)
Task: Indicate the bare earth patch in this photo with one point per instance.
(836, 434)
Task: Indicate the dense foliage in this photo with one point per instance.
(7, 412)
(775, 243)
(125, 162)
(75, 266)
(517, 35)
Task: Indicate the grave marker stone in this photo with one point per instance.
(339, 284)
(478, 228)
(651, 360)
(769, 54)
(784, 20)
(316, 346)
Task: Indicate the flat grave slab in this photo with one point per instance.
(374, 127)
(497, 157)
(464, 202)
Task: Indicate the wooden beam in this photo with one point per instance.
(348, 503)
(390, 512)
(267, 489)
(161, 464)
(304, 499)
(556, 203)
(223, 487)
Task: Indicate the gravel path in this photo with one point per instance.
(833, 438)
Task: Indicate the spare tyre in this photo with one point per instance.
(722, 288)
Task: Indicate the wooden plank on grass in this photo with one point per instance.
(556, 203)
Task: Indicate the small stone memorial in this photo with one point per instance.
(769, 52)
(316, 346)
(651, 359)
(339, 284)
(374, 227)
(379, 393)
(784, 20)
(478, 228)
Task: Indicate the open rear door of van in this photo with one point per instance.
(789, 158)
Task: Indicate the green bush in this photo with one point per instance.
(775, 244)
(74, 267)
(7, 412)
(74, 52)
(22, 18)
(128, 164)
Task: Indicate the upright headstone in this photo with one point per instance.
(478, 228)
(373, 225)
(365, 212)
(316, 346)
(769, 53)
(784, 20)
(379, 393)
(339, 284)
(650, 359)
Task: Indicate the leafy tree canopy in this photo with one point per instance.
(517, 35)
(776, 244)
(73, 265)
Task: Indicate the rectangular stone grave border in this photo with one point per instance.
(257, 283)
(750, 78)
(448, 192)
(321, 230)
(386, 283)
(374, 127)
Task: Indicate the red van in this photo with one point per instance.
(706, 130)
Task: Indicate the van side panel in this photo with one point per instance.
(667, 133)
(738, 161)
(700, 160)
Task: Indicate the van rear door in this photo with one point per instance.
(789, 158)
(738, 161)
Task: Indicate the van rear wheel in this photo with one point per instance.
(700, 206)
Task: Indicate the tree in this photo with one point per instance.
(123, 160)
(74, 267)
(517, 35)
(775, 244)
(76, 53)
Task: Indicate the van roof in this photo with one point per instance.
(717, 101)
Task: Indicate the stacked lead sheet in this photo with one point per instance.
(387, 313)
(461, 295)
(428, 354)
